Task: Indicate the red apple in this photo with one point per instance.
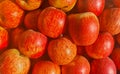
(116, 57)
(46, 67)
(4, 38)
(117, 3)
(65, 5)
(29, 4)
(10, 14)
(95, 6)
(110, 21)
(51, 22)
(32, 43)
(83, 28)
(61, 51)
(79, 65)
(12, 62)
(102, 47)
(103, 66)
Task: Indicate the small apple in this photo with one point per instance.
(110, 21)
(29, 4)
(32, 43)
(61, 51)
(46, 67)
(31, 19)
(12, 62)
(115, 56)
(102, 47)
(83, 28)
(103, 66)
(10, 14)
(95, 6)
(79, 65)
(51, 22)
(65, 5)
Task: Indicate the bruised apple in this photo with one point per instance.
(29, 4)
(10, 14)
(79, 65)
(83, 28)
(95, 6)
(12, 62)
(51, 22)
(103, 66)
(115, 56)
(110, 21)
(32, 43)
(61, 51)
(46, 67)
(102, 47)
(65, 5)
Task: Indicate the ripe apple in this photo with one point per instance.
(102, 47)
(29, 4)
(61, 51)
(65, 5)
(95, 6)
(12, 62)
(117, 3)
(46, 67)
(32, 43)
(110, 21)
(14, 36)
(31, 19)
(103, 66)
(115, 56)
(51, 22)
(83, 28)
(10, 14)
(79, 65)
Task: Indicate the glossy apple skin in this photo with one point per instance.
(83, 28)
(65, 5)
(103, 66)
(12, 62)
(10, 14)
(29, 4)
(79, 65)
(115, 56)
(117, 3)
(49, 24)
(46, 67)
(61, 51)
(95, 6)
(102, 47)
(109, 21)
(31, 19)
(32, 43)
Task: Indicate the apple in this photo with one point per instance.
(14, 36)
(83, 28)
(103, 66)
(95, 6)
(80, 65)
(116, 3)
(102, 47)
(12, 62)
(115, 56)
(61, 51)
(109, 21)
(29, 4)
(46, 67)
(31, 19)
(10, 14)
(32, 43)
(65, 5)
(51, 22)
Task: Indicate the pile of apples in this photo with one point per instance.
(59, 36)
